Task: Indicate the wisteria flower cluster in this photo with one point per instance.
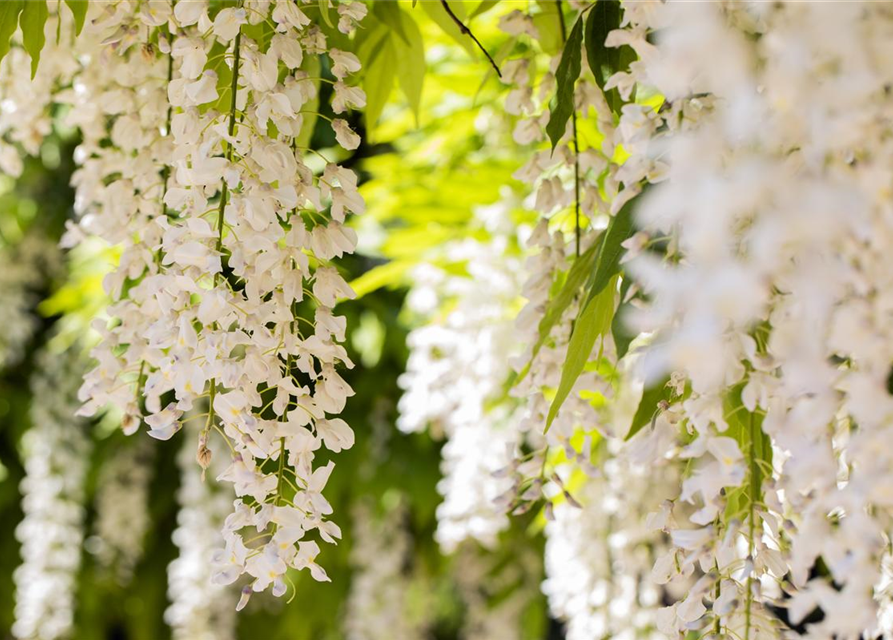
(224, 289)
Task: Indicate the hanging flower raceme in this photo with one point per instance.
(379, 603)
(56, 453)
(769, 305)
(199, 609)
(455, 378)
(122, 509)
(225, 288)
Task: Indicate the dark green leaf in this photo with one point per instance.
(619, 327)
(324, 11)
(608, 264)
(558, 304)
(604, 61)
(33, 20)
(565, 77)
(79, 10)
(647, 409)
(9, 20)
(592, 322)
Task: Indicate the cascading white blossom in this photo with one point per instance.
(122, 508)
(56, 452)
(199, 609)
(575, 188)
(25, 118)
(225, 288)
(378, 605)
(455, 377)
(772, 304)
(599, 556)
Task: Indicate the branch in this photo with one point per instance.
(468, 32)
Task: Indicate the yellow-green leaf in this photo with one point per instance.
(33, 20)
(592, 322)
(9, 20)
(411, 63)
(79, 11)
(385, 275)
(439, 15)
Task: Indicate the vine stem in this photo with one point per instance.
(576, 146)
(223, 186)
(465, 30)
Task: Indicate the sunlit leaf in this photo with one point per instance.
(594, 321)
(79, 10)
(482, 8)
(438, 14)
(33, 20)
(385, 275)
(411, 63)
(9, 20)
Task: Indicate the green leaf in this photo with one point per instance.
(482, 8)
(746, 427)
(565, 77)
(79, 10)
(558, 304)
(608, 265)
(385, 275)
(593, 321)
(33, 20)
(647, 409)
(9, 20)
(379, 58)
(438, 14)
(218, 65)
(619, 327)
(313, 67)
(604, 61)
(390, 14)
(411, 64)
(324, 11)
(548, 26)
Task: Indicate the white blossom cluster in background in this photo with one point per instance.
(226, 239)
(199, 609)
(495, 593)
(599, 556)
(379, 604)
(122, 508)
(56, 452)
(28, 265)
(25, 118)
(455, 377)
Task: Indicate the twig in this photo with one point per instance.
(468, 32)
